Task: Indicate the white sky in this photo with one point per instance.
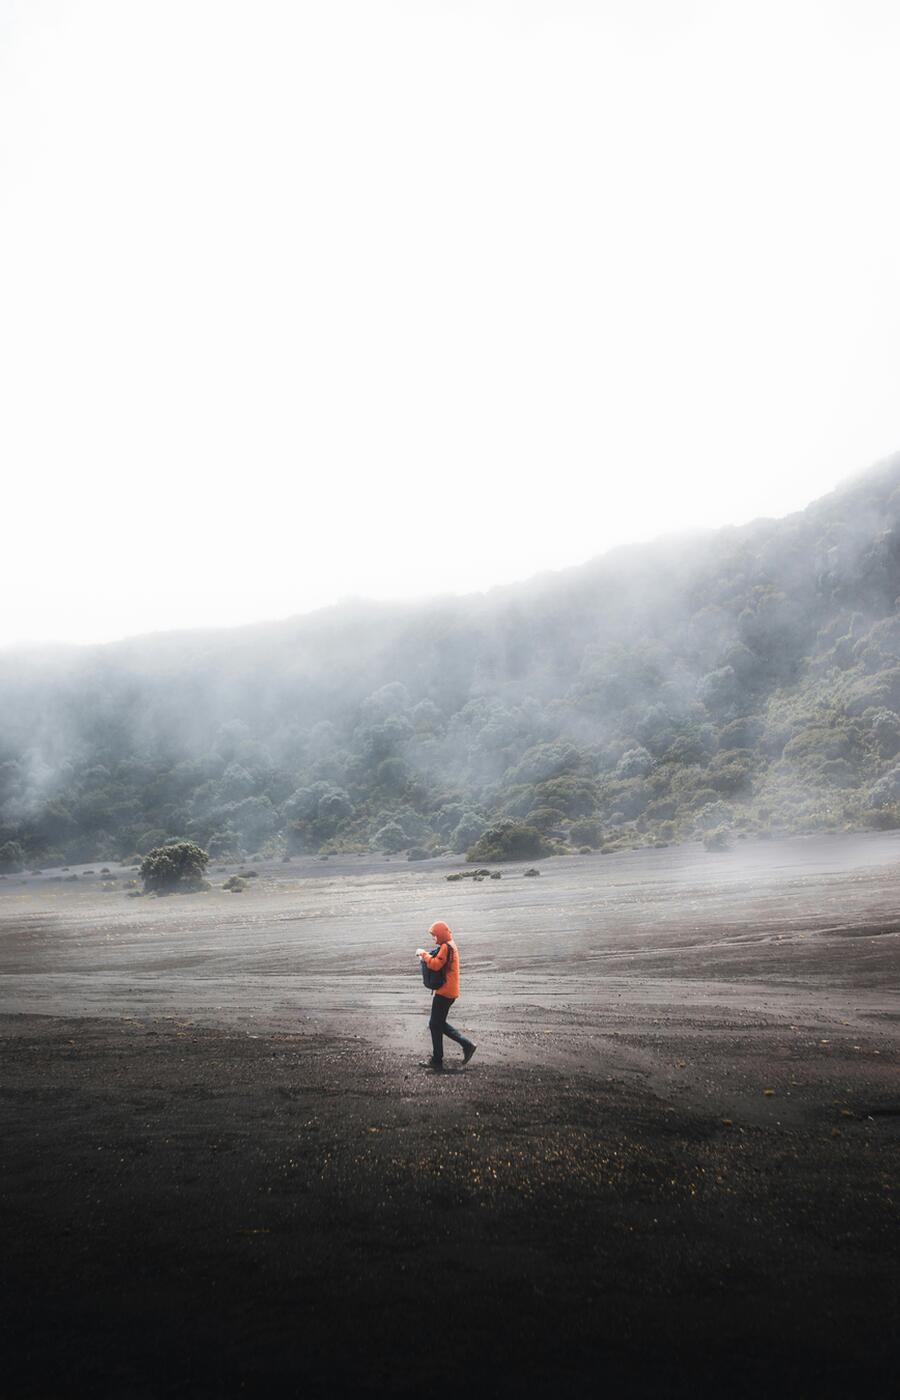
(306, 300)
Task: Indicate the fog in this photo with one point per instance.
(341, 299)
(720, 686)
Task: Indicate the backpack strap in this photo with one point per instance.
(445, 965)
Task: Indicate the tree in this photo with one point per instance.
(467, 830)
(12, 857)
(634, 763)
(509, 840)
(545, 817)
(391, 838)
(179, 866)
(150, 840)
(576, 797)
(223, 844)
(761, 666)
(586, 833)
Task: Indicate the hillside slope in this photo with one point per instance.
(746, 679)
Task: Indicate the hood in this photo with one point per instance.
(441, 932)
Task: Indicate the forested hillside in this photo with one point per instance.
(740, 682)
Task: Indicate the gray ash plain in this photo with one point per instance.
(671, 1168)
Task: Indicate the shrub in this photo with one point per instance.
(838, 772)
(392, 774)
(543, 762)
(391, 838)
(179, 866)
(886, 792)
(224, 845)
(576, 797)
(885, 731)
(634, 763)
(509, 840)
(254, 819)
(448, 815)
(730, 778)
(628, 799)
(741, 733)
(468, 830)
(12, 858)
(544, 817)
(703, 797)
(714, 815)
(685, 749)
(719, 689)
(334, 807)
(586, 833)
(716, 840)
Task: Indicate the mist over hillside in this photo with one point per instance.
(741, 682)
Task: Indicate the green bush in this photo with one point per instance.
(576, 797)
(469, 829)
(392, 774)
(627, 799)
(586, 833)
(543, 762)
(508, 840)
(782, 688)
(634, 763)
(180, 866)
(390, 838)
(224, 845)
(544, 817)
(730, 778)
(12, 858)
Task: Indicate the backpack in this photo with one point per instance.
(435, 979)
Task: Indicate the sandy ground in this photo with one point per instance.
(671, 1167)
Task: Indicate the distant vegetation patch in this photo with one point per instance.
(749, 682)
(178, 867)
(509, 840)
(586, 832)
(12, 858)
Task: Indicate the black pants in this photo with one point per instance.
(439, 1027)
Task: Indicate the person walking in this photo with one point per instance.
(445, 956)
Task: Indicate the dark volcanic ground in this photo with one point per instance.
(671, 1169)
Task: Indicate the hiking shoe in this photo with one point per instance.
(432, 1064)
(468, 1053)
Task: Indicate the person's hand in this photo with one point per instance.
(420, 952)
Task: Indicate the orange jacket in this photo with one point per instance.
(444, 939)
